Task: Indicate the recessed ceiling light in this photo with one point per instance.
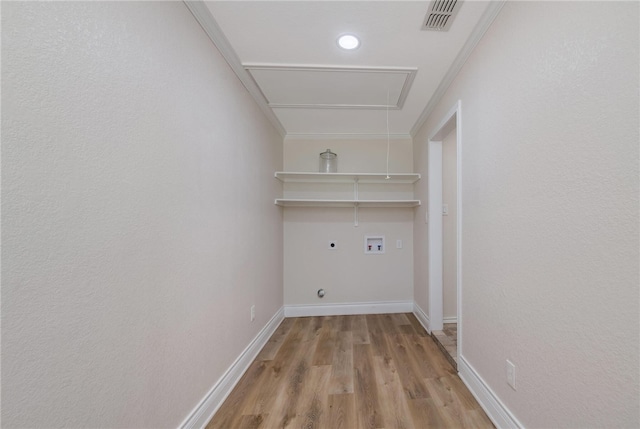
(348, 41)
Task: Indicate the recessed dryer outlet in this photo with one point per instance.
(374, 244)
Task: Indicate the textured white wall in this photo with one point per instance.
(449, 235)
(347, 274)
(354, 156)
(550, 210)
(420, 226)
(138, 223)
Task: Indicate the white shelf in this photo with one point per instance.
(405, 180)
(291, 202)
(307, 177)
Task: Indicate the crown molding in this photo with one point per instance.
(208, 23)
(483, 25)
(346, 136)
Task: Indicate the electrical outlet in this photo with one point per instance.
(253, 313)
(398, 244)
(511, 374)
(445, 210)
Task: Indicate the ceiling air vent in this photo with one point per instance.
(440, 14)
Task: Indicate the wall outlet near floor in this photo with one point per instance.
(253, 313)
(511, 374)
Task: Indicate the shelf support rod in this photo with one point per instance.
(355, 215)
(355, 197)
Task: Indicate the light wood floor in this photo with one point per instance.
(351, 372)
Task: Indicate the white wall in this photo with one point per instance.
(347, 274)
(449, 235)
(550, 210)
(354, 156)
(138, 223)
(420, 226)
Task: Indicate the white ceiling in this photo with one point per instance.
(285, 52)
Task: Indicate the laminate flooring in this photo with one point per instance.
(350, 372)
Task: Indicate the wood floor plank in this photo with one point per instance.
(350, 372)
(388, 324)
(345, 323)
(342, 412)
(365, 388)
(292, 363)
(424, 411)
(417, 326)
(252, 421)
(373, 323)
(268, 386)
(342, 365)
(376, 334)
(259, 401)
(476, 419)
(457, 387)
(294, 384)
(270, 349)
(394, 407)
(315, 325)
(284, 413)
(313, 407)
(450, 409)
(407, 367)
(436, 364)
(407, 329)
(326, 345)
(227, 416)
(431, 364)
(399, 319)
(360, 330)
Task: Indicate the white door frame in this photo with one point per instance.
(451, 121)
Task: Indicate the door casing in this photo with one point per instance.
(452, 120)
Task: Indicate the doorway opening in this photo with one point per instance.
(445, 219)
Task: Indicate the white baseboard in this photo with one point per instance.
(450, 320)
(202, 413)
(490, 403)
(422, 317)
(350, 308)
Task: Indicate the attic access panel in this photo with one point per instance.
(332, 87)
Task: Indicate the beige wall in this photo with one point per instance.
(138, 224)
(449, 235)
(347, 274)
(550, 211)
